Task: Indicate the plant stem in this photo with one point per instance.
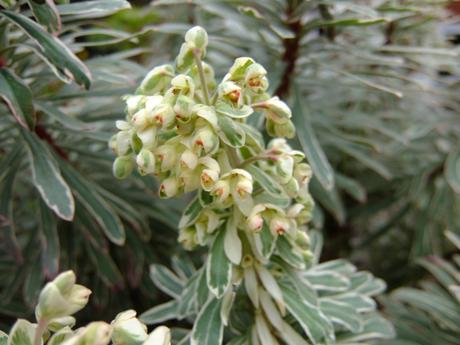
(39, 331)
(254, 159)
(199, 65)
(232, 157)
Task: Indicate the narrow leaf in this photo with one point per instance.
(46, 14)
(47, 177)
(166, 280)
(191, 213)
(219, 267)
(208, 328)
(93, 9)
(266, 181)
(452, 170)
(102, 213)
(53, 49)
(50, 242)
(160, 313)
(230, 132)
(310, 144)
(17, 97)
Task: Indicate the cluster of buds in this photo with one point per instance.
(192, 134)
(60, 299)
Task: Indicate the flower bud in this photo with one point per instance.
(169, 187)
(185, 58)
(279, 225)
(184, 85)
(163, 115)
(298, 156)
(146, 162)
(197, 38)
(302, 213)
(275, 110)
(188, 160)
(128, 330)
(160, 336)
(285, 168)
(148, 137)
(122, 125)
(157, 80)
(122, 143)
(302, 239)
(239, 68)
(291, 187)
(134, 103)
(255, 222)
(122, 167)
(167, 155)
(151, 102)
(187, 238)
(255, 78)
(285, 130)
(244, 186)
(205, 139)
(208, 179)
(183, 108)
(230, 91)
(303, 173)
(307, 255)
(59, 323)
(141, 119)
(96, 333)
(221, 190)
(279, 145)
(190, 180)
(61, 297)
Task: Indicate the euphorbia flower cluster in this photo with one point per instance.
(198, 136)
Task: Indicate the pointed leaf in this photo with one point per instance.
(47, 177)
(191, 213)
(102, 213)
(166, 280)
(452, 170)
(93, 8)
(69, 66)
(266, 181)
(310, 144)
(160, 313)
(208, 328)
(219, 267)
(17, 97)
(46, 14)
(50, 242)
(230, 132)
(22, 333)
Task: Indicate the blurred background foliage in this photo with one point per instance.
(378, 121)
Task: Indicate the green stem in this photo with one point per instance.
(233, 157)
(254, 159)
(199, 65)
(41, 327)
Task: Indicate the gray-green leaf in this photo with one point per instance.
(104, 215)
(68, 65)
(17, 97)
(219, 268)
(47, 177)
(310, 144)
(208, 328)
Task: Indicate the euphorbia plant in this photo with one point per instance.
(250, 206)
